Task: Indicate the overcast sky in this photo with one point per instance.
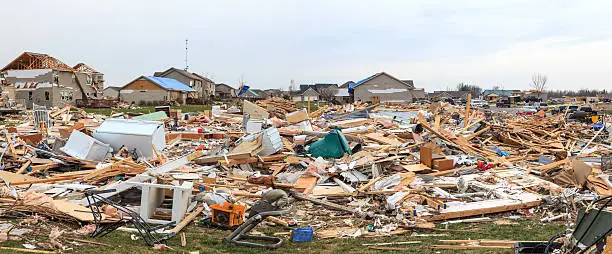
(269, 43)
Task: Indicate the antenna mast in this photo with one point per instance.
(186, 51)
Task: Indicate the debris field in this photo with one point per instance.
(342, 171)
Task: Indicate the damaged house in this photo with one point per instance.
(46, 81)
(382, 87)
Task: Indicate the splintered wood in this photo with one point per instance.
(278, 107)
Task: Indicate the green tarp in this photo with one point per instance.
(333, 145)
(155, 116)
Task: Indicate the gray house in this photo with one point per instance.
(310, 94)
(384, 88)
(205, 87)
(44, 80)
(224, 92)
(112, 92)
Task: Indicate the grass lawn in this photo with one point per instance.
(313, 105)
(206, 240)
(146, 109)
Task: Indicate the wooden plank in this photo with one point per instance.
(287, 144)
(87, 241)
(483, 242)
(278, 169)
(276, 157)
(232, 162)
(416, 167)
(370, 183)
(24, 167)
(467, 110)
(10, 177)
(47, 180)
(467, 247)
(485, 207)
(437, 122)
(476, 134)
(378, 137)
(27, 250)
(305, 184)
(76, 211)
(43, 167)
(187, 219)
(545, 168)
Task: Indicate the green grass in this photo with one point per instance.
(313, 105)
(146, 109)
(206, 240)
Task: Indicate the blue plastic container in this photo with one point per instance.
(299, 235)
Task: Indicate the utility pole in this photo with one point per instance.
(186, 51)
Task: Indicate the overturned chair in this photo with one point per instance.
(147, 232)
(272, 203)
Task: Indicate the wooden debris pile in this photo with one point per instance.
(278, 107)
(355, 170)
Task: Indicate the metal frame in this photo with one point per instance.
(146, 231)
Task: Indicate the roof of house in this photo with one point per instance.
(170, 84)
(31, 60)
(179, 71)
(222, 84)
(202, 77)
(165, 83)
(310, 92)
(116, 88)
(346, 84)
(411, 84)
(82, 67)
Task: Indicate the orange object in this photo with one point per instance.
(227, 214)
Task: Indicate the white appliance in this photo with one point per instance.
(81, 146)
(142, 135)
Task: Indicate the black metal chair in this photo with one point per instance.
(147, 232)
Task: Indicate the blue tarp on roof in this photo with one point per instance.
(351, 85)
(170, 84)
(361, 81)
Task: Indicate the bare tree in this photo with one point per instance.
(474, 89)
(327, 93)
(538, 83)
(496, 87)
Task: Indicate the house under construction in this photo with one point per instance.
(34, 78)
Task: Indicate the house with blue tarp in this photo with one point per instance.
(151, 90)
